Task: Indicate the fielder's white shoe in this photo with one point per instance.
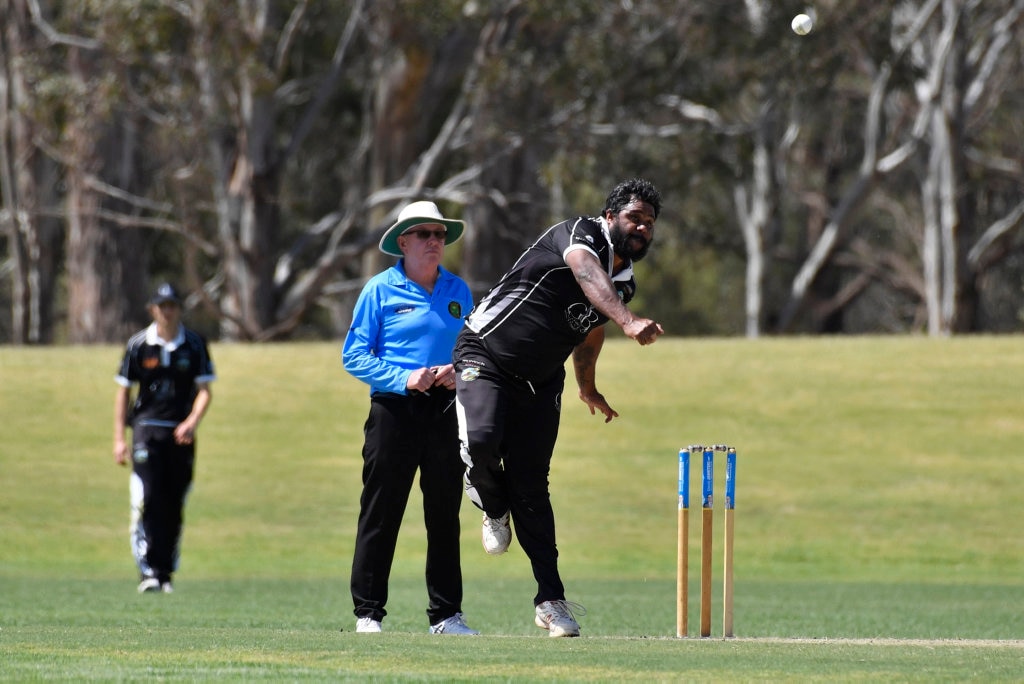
(453, 625)
(368, 625)
(497, 534)
(167, 588)
(149, 584)
(557, 617)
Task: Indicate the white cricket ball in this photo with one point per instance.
(801, 24)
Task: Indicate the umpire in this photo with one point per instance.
(172, 367)
(400, 344)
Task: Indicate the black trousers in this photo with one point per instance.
(162, 474)
(403, 434)
(508, 429)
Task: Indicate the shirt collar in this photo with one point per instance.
(442, 274)
(153, 337)
(627, 271)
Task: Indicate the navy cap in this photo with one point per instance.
(166, 293)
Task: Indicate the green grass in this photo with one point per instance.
(878, 530)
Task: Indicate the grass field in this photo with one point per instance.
(878, 523)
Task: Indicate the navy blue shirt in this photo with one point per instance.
(397, 327)
(168, 372)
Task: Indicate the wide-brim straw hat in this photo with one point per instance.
(416, 214)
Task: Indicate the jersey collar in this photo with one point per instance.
(152, 337)
(403, 279)
(627, 271)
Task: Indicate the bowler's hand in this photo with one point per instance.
(595, 401)
(643, 330)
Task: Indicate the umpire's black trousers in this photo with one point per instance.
(402, 434)
(508, 427)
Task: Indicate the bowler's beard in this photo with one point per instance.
(633, 246)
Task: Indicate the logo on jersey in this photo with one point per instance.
(405, 309)
(140, 454)
(580, 317)
(470, 374)
(455, 309)
(150, 362)
(626, 289)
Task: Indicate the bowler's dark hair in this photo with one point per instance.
(628, 190)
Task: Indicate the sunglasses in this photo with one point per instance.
(427, 234)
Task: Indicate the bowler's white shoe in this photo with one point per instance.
(368, 625)
(497, 534)
(557, 617)
(456, 624)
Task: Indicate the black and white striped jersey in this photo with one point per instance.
(531, 320)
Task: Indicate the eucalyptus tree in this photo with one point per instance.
(864, 177)
(30, 180)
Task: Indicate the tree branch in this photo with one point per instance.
(326, 86)
(1000, 38)
(55, 37)
(870, 168)
(976, 257)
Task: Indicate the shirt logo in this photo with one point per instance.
(581, 318)
(626, 290)
(405, 309)
(470, 374)
(150, 362)
(455, 309)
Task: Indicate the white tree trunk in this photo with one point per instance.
(931, 261)
(754, 212)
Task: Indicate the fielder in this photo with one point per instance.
(172, 367)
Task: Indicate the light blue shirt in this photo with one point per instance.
(397, 327)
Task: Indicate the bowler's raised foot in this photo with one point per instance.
(496, 534)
